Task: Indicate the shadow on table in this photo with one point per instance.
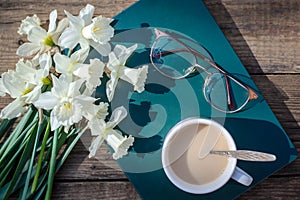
(266, 87)
(237, 41)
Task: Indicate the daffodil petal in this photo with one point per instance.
(117, 116)
(95, 145)
(45, 61)
(74, 88)
(86, 14)
(36, 35)
(33, 95)
(3, 90)
(14, 86)
(113, 63)
(104, 49)
(97, 126)
(60, 86)
(62, 63)
(80, 55)
(28, 49)
(62, 25)
(75, 21)
(124, 53)
(69, 38)
(14, 109)
(54, 123)
(52, 19)
(46, 101)
(111, 86)
(25, 70)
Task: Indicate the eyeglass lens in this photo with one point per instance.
(173, 57)
(224, 93)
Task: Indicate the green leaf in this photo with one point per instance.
(15, 145)
(40, 129)
(24, 158)
(52, 165)
(3, 190)
(40, 193)
(37, 174)
(5, 125)
(17, 131)
(10, 159)
(10, 165)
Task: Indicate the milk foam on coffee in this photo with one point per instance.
(187, 165)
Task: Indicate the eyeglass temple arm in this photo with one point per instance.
(164, 53)
(253, 95)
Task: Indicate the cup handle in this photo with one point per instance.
(241, 176)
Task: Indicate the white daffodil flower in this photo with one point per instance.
(36, 77)
(91, 73)
(17, 88)
(65, 101)
(16, 85)
(67, 65)
(86, 31)
(40, 40)
(118, 70)
(25, 85)
(105, 132)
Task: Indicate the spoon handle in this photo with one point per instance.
(246, 155)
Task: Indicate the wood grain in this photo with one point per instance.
(264, 33)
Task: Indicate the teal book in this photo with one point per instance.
(165, 102)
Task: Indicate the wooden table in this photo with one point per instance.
(266, 37)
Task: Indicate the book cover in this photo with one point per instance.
(165, 102)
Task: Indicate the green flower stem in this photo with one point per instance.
(5, 125)
(15, 144)
(17, 131)
(9, 160)
(22, 162)
(10, 165)
(40, 129)
(39, 164)
(52, 165)
(21, 182)
(42, 181)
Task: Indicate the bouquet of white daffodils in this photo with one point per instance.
(53, 89)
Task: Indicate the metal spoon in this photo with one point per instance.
(247, 155)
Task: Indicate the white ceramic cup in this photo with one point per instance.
(231, 170)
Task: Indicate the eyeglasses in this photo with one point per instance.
(180, 57)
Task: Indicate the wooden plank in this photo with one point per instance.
(94, 190)
(265, 34)
(272, 188)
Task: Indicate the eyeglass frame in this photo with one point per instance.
(190, 70)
